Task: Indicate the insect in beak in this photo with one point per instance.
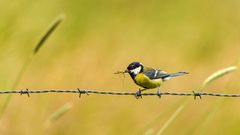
(122, 72)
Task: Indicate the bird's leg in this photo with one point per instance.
(138, 93)
(158, 92)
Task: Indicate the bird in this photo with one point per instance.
(148, 78)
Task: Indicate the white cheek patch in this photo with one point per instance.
(136, 70)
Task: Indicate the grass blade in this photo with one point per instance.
(50, 30)
(59, 113)
(217, 75)
(163, 113)
(170, 120)
(29, 60)
(149, 132)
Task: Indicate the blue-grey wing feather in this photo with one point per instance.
(156, 74)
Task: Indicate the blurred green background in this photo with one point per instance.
(98, 38)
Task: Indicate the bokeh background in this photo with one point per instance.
(98, 38)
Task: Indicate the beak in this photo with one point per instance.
(126, 71)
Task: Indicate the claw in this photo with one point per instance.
(159, 94)
(138, 94)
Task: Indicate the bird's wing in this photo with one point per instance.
(154, 74)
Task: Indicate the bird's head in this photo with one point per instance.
(134, 68)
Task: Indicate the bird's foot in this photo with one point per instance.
(159, 94)
(138, 94)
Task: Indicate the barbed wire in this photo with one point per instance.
(87, 92)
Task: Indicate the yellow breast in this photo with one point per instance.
(144, 81)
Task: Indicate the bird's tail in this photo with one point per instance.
(178, 74)
(174, 75)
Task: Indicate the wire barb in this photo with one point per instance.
(25, 92)
(196, 95)
(82, 92)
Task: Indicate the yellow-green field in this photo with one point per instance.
(99, 37)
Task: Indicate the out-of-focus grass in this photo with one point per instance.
(217, 75)
(30, 58)
(58, 114)
(171, 119)
(101, 37)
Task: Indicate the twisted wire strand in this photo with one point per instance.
(82, 91)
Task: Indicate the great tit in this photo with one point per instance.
(148, 78)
